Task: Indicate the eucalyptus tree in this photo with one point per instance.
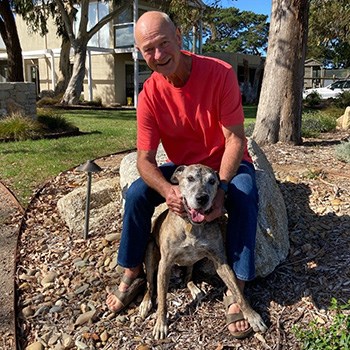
(280, 105)
(9, 34)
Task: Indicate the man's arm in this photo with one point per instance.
(150, 173)
(231, 159)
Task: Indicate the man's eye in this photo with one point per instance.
(190, 178)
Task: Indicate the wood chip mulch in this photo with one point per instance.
(316, 188)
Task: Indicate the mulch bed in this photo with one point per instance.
(316, 188)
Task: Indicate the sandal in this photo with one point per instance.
(232, 318)
(135, 287)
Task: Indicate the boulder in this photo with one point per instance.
(103, 206)
(343, 123)
(272, 245)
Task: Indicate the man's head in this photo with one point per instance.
(159, 42)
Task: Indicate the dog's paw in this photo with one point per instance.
(160, 330)
(257, 323)
(196, 292)
(145, 307)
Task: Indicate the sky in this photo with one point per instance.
(258, 6)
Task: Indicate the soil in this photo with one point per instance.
(316, 188)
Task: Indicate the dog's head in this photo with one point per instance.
(198, 185)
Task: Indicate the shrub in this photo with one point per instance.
(342, 152)
(343, 100)
(51, 122)
(49, 101)
(313, 99)
(334, 337)
(18, 127)
(314, 123)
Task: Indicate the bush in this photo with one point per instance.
(18, 127)
(342, 152)
(49, 101)
(336, 336)
(53, 123)
(343, 100)
(313, 99)
(314, 123)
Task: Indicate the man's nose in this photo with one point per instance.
(158, 53)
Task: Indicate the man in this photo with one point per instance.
(192, 104)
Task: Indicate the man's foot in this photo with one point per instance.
(237, 325)
(132, 283)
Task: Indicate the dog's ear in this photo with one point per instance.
(177, 173)
(218, 176)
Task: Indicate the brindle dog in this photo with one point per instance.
(186, 240)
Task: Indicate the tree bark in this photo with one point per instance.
(9, 34)
(75, 85)
(65, 70)
(280, 105)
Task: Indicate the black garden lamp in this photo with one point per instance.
(89, 167)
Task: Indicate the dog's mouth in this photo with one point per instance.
(196, 216)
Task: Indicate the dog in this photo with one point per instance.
(186, 240)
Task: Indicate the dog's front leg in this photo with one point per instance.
(160, 329)
(227, 275)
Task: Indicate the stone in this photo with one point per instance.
(343, 123)
(103, 207)
(272, 243)
(35, 346)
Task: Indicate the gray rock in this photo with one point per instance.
(272, 245)
(103, 206)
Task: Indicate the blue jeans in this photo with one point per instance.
(242, 209)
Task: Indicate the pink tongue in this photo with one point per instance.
(196, 216)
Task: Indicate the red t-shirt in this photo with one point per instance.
(188, 120)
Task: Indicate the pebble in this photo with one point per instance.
(35, 346)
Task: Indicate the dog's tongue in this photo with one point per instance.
(196, 216)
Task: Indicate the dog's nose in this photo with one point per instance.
(202, 199)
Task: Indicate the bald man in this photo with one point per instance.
(192, 104)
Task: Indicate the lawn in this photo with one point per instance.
(25, 165)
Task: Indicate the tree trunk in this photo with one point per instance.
(75, 85)
(280, 105)
(65, 70)
(9, 34)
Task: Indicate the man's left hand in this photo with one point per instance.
(218, 208)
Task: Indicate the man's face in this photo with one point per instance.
(159, 45)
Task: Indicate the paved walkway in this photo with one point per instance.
(10, 219)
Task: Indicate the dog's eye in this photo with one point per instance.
(190, 178)
(212, 182)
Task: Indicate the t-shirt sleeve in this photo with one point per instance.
(148, 136)
(231, 107)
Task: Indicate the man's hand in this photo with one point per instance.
(218, 208)
(174, 201)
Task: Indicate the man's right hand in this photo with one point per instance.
(174, 201)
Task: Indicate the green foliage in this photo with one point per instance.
(329, 31)
(316, 122)
(232, 30)
(342, 152)
(313, 99)
(48, 101)
(53, 123)
(343, 99)
(334, 337)
(18, 127)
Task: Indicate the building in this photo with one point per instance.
(115, 71)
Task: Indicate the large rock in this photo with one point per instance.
(103, 206)
(272, 244)
(343, 122)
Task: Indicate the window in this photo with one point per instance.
(97, 10)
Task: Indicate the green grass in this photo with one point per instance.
(25, 165)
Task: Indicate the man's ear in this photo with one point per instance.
(177, 173)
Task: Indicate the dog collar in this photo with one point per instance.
(224, 186)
